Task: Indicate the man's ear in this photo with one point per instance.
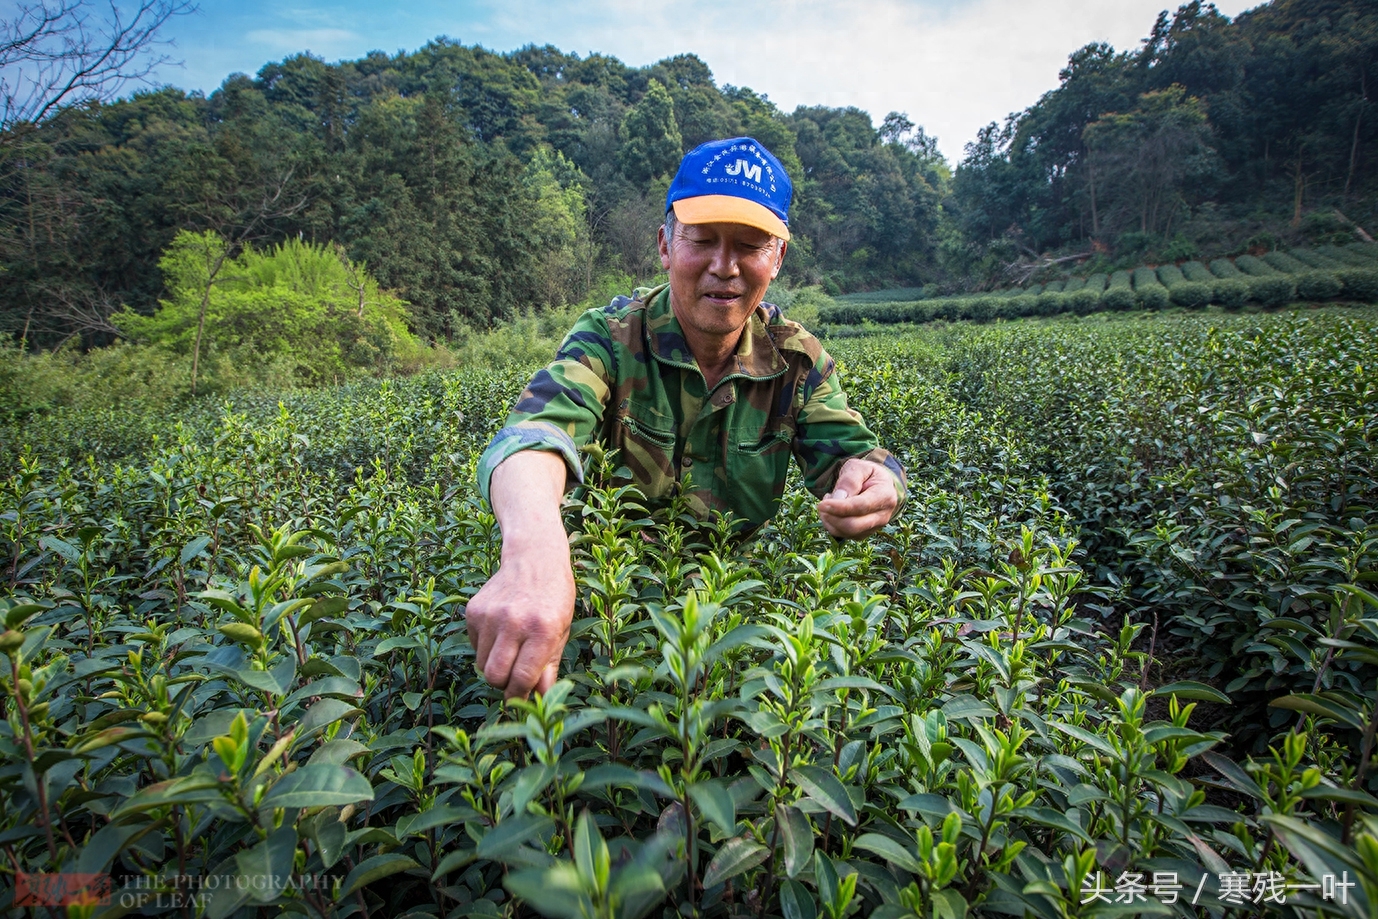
(663, 243)
(779, 259)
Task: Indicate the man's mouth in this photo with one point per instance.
(721, 297)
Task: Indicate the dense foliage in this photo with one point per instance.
(472, 184)
(236, 649)
(1212, 134)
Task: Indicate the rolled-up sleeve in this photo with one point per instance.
(562, 407)
(829, 433)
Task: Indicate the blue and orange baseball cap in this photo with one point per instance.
(732, 181)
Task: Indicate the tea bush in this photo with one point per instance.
(1230, 293)
(1224, 268)
(1285, 263)
(1360, 284)
(1195, 271)
(1272, 289)
(1148, 290)
(239, 652)
(1318, 286)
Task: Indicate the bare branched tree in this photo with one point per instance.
(58, 52)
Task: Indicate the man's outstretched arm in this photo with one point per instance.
(519, 621)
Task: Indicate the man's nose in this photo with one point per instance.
(724, 263)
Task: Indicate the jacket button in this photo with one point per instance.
(686, 461)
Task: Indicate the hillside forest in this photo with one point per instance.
(473, 186)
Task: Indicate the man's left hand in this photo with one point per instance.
(863, 500)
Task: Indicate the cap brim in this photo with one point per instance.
(729, 209)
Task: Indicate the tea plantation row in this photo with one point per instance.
(1314, 276)
(236, 669)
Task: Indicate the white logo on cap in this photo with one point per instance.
(753, 171)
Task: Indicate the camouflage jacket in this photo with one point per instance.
(625, 376)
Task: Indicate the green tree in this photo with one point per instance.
(651, 142)
(1147, 155)
(298, 303)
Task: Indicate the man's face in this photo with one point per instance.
(719, 272)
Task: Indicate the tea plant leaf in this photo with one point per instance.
(1235, 776)
(108, 842)
(1353, 796)
(531, 782)
(949, 904)
(715, 804)
(317, 786)
(1058, 821)
(796, 902)
(966, 708)
(890, 850)
(617, 774)
(63, 548)
(265, 868)
(1314, 704)
(797, 835)
(324, 608)
(554, 891)
(321, 715)
(1190, 689)
(822, 786)
(1092, 740)
(737, 855)
(194, 548)
(508, 835)
(375, 868)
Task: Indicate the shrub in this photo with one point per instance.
(1316, 260)
(1118, 299)
(1359, 284)
(1050, 303)
(1284, 262)
(1231, 293)
(841, 314)
(1191, 294)
(298, 303)
(1366, 251)
(979, 309)
(1023, 305)
(1272, 290)
(1255, 267)
(1318, 285)
(1224, 268)
(1346, 256)
(1096, 282)
(948, 308)
(1119, 295)
(1180, 248)
(1073, 285)
(1152, 296)
(1150, 293)
(1170, 276)
(1034, 290)
(1195, 271)
(1054, 287)
(1083, 302)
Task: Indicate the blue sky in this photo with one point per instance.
(952, 66)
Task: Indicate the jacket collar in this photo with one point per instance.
(757, 356)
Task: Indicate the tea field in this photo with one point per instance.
(1116, 657)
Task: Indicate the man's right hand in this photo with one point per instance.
(519, 621)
